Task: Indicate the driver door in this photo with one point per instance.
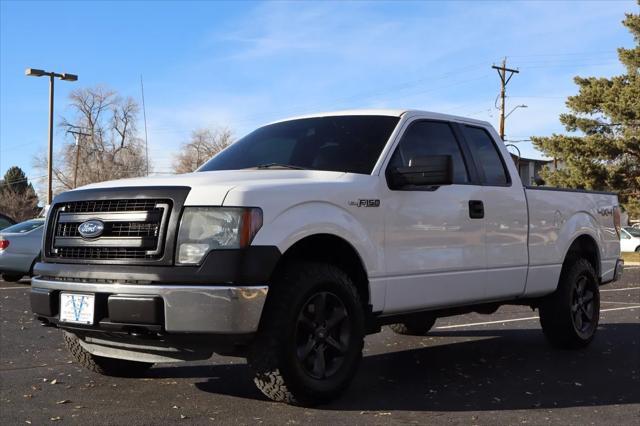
(434, 244)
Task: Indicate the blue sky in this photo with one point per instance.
(242, 64)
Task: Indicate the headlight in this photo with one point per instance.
(203, 229)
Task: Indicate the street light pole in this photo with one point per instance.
(515, 108)
(33, 72)
(50, 164)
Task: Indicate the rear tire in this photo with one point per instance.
(414, 327)
(570, 316)
(101, 365)
(310, 340)
(12, 278)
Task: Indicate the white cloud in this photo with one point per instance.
(282, 59)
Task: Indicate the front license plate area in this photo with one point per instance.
(77, 308)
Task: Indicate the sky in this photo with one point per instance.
(244, 64)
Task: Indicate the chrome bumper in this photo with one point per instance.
(187, 308)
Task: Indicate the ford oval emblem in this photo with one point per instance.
(91, 228)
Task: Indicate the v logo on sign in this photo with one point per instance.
(77, 310)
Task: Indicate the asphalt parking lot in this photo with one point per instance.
(472, 369)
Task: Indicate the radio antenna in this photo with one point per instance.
(146, 138)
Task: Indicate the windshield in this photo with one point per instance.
(23, 227)
(633, 231)
(341, 143)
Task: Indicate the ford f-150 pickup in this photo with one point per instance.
(298, 240)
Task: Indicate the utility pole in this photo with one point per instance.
(504, 80)
(76, 134)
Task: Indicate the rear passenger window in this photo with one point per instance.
(428, 138)
(487, 156)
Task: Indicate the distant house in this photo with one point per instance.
(529, 168)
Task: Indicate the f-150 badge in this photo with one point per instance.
(365, 203)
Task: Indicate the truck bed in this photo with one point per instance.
(557, 216)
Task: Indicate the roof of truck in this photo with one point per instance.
(388, 112)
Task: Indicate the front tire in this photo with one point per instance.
(101, 365)
(310, 341)
(570, 316)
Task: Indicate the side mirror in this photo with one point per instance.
(435, 170)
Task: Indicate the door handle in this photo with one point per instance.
(476, 209)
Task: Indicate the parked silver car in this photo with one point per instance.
(20, 247)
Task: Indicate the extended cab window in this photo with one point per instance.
(487, 156)
(350, 143)
(428, 138)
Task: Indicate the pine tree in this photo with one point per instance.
(16, 180)
(18, 199)
(605, 155)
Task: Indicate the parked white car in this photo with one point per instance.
(296, 241)
(630, 239)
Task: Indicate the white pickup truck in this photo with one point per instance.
(299, 239)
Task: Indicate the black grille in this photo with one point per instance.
(115, 229)
(133, 229)
(105, 206)
(102, 253)
(67, 230)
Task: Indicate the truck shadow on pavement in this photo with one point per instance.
(471, 371)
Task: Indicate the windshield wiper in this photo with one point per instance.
(279, 165)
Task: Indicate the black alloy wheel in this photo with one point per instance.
(570, 315)
(322, 335)
(583, 308)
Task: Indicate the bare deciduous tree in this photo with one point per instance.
(107, 145)
(204, 144)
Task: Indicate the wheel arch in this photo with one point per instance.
(331, 248)
(584, 246)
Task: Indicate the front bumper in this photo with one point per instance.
(165, 308)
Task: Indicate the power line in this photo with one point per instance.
(597, 52)
(26, 179)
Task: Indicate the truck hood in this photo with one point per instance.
(215, 185)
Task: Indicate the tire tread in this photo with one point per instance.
(102, 365)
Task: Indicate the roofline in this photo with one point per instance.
(388, 113)
(383, 112)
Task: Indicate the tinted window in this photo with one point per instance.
(345, 144)
(428, 138)
(634, 232)
(22, 227)
(486, 155)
